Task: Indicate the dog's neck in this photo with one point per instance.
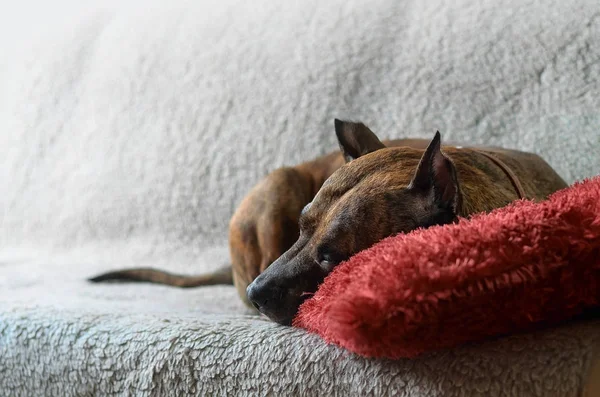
(486, 181)
(510, 174)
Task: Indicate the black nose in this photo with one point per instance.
(257, 296)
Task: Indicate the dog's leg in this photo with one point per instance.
(265, 225)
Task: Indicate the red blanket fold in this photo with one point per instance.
(517, 268)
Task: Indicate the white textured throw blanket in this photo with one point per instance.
(129, 131)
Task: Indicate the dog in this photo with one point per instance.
(264, 225)
(298, 223)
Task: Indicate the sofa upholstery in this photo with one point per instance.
(129, 132)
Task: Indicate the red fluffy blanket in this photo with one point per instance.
(520, 267)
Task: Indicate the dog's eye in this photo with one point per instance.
(326, 262)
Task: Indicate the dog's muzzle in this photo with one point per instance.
(279, 304)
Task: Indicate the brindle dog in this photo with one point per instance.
(298, 223)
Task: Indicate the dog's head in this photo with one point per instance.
(379, 192)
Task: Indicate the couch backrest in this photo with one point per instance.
(152, 120)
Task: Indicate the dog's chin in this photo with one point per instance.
(287, 316)
(279, 318)
(287, 321)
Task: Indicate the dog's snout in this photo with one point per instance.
(278, 294)
(257, 296)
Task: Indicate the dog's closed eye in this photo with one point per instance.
(327, 260)
(326, 264)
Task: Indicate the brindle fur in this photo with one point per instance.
(263, 227)
(384, 191)
(370, 195)
(363, 191)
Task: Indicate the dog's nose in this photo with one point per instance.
(257, 296)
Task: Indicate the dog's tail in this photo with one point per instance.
(149, 275)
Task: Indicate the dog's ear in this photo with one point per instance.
(356, 139)
(436, 177)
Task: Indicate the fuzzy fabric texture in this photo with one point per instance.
(130, 130)
(513, 270)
